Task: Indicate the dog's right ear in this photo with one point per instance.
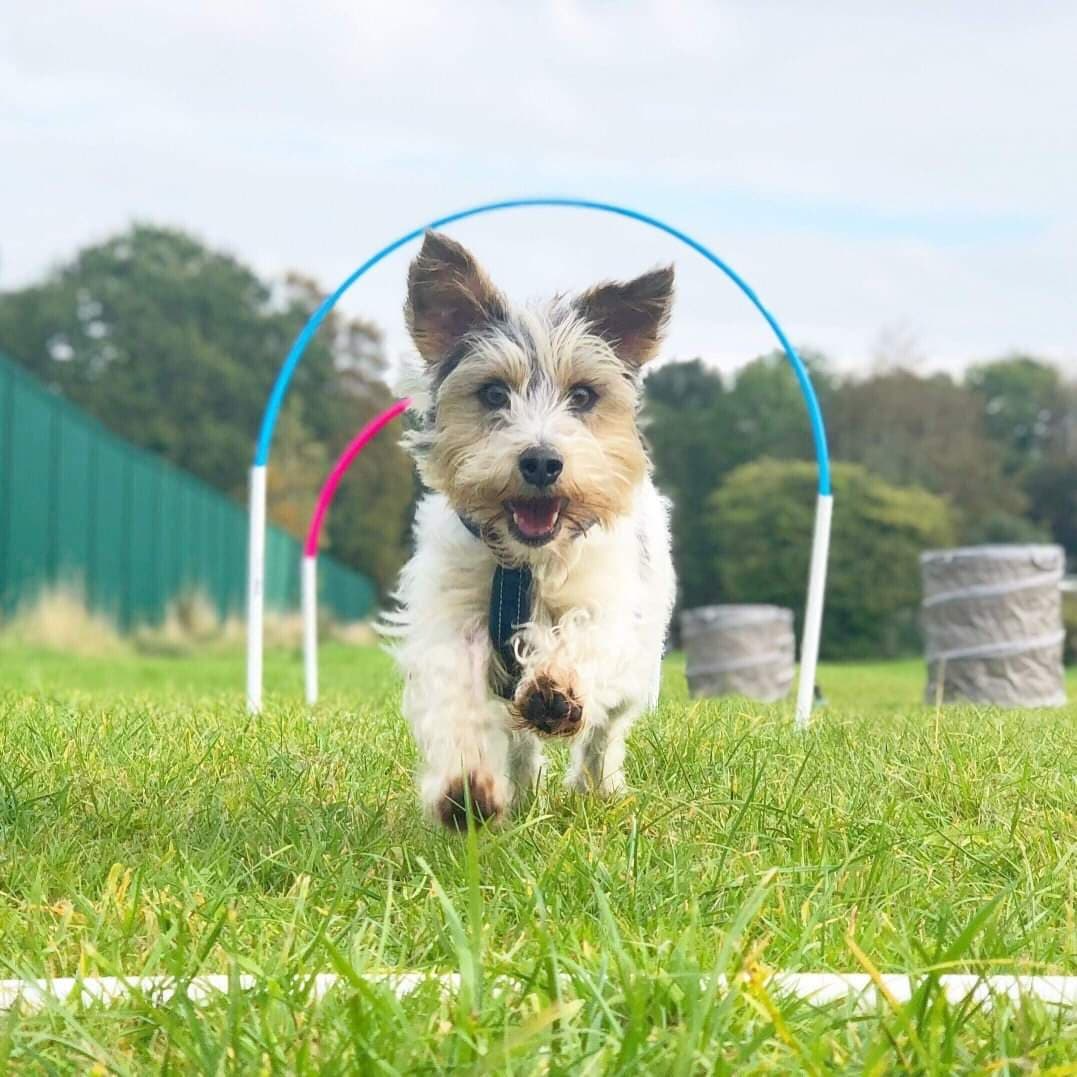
(449, 296)
(631, 315)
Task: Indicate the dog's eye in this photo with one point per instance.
(582, 398)
(495, 396)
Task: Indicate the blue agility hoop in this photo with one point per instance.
(295, 354)
(256, 551)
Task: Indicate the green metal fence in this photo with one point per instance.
(80, 506)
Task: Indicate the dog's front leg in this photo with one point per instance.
(463, 735)
(587, 677)
(554, 696)
(549, 698)
(552, 702)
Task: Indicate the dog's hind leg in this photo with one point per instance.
(598, 756)
(527, 764)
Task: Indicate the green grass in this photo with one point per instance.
(149, 826)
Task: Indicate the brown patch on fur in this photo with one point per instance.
(631, 315)
(454, 803)
(449, 296)
(545, 708)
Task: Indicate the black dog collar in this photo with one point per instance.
(510, 609)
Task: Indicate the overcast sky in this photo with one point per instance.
(896, 175)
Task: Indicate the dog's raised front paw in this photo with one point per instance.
(479, 791)
(547, 708)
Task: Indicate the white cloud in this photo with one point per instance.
(861, 169)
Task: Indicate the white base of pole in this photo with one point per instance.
(309, 583)
(813, 613)
(256, 568)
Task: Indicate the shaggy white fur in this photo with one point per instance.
(595, 537)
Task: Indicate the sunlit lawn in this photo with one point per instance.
(149, 826)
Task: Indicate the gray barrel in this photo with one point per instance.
(739, 650)
(992, 621)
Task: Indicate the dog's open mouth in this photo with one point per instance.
(535, 521)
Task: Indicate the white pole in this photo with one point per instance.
(309, 581)
(256, 570)
(813, 613)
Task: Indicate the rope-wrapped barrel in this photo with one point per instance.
(992, 621)
(739, 650)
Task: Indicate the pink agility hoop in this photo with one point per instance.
(309, 566)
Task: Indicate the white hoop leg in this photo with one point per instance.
(256, 568)
(309, 581)
(813, 613)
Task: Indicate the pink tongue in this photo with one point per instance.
(535, 517)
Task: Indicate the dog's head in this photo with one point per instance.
(531, 429)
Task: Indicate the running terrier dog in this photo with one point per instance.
(537, 601)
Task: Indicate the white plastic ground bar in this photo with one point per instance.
(820, 988)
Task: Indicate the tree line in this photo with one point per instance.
(174, 346)
(921, 462)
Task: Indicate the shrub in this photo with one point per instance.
(762, 518)
(1004, 527)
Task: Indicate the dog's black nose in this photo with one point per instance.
(540, 466)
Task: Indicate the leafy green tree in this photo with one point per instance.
(765, 413)
(1031, 413)
(171, 345)
(369, 521)
(300, 463)
(1023, 407)
(1052, 489)
(700, 430)
(763, 516)
(683, 418)
(1002, 527)
(174, 346)
(926, 432)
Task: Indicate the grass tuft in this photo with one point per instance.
(149, 826)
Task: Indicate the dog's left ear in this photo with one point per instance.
(449, 296)
(631, 316)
